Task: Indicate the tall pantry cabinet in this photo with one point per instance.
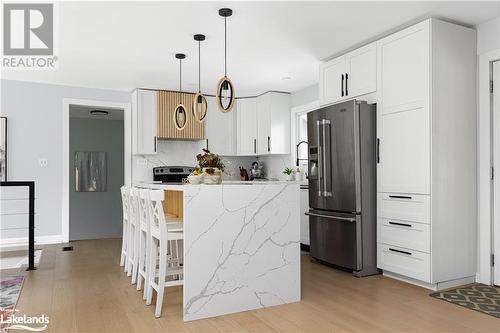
(426, 124)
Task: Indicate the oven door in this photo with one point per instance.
(336, 239)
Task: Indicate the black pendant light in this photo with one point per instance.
(199, 100)
(225, 91)
(180, 114)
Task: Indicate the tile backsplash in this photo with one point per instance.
(183, 153)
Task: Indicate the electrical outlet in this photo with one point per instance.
(43, 162)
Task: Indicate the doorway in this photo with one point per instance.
(495, 109)
(68, 182)
(96, 170)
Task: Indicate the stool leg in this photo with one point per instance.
(152, 270)
(161, 280)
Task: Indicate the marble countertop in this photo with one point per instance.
(180, 187)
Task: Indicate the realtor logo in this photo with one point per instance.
(28, 36)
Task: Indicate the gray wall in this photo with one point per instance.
(94, 215)
(34, 112)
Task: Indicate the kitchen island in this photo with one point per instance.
(241, 245)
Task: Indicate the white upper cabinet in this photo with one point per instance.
(246, 126)
(349, 76)
(361, 75)
(331, 81)
(220, 129)
(144, 122)
(403, 112)
(273, 123)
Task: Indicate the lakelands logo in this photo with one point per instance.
(10, 321)
(28, 36)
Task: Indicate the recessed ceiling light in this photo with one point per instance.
(99, 113)
(286, 78)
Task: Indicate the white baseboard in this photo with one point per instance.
(23, 241)
(432, 286)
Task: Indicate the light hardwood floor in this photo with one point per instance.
(86, 291)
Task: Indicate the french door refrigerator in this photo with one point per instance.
(342, 186)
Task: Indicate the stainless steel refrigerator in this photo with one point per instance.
(342, 186)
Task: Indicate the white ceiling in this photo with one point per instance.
(83, 111)
(124, 45)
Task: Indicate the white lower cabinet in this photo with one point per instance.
(403, 261)
(426, 180)
(405, 234)
(304, 219)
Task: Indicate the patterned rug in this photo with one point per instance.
(10, 288)
(478, 297)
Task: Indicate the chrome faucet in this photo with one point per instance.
(297, 152)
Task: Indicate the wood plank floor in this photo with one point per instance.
(86, 291)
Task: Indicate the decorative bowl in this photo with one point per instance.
(212, 179)
(195, 180)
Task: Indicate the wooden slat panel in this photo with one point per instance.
(173, 204)
(167, 102)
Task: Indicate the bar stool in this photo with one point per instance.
(125, 193)
(133, 244)
(144, 236)
(161, 233)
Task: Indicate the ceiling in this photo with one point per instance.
(82, 111)
(125, 45)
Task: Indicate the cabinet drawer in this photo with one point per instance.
(410, 263)
(406, 207)
(410, 235)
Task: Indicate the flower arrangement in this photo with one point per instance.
(210, 161)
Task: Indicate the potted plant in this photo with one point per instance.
(288, 174)
(211, 165)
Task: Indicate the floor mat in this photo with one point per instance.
(10, 289)
(478, 297)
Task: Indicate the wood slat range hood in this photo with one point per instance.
(167, 101)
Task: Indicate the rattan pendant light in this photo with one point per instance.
(180, 114)
(225, 96)
(199, 100)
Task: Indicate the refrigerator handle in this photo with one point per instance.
(320, 156)
(327, 172)
(348, 219)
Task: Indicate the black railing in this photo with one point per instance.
(31, 218)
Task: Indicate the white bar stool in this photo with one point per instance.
(125, 193)
(144, 236)
(133, 245)
(161, 233)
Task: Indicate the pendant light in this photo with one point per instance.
(199, 100)
(180, 114)
(225, 90)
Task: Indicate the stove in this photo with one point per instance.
(171, 174)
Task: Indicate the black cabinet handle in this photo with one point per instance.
(399, 251)
(378, 151)
(268, 144)
(155, 142)
(207, 144)
(346, 77)
(255, 146)
(400, 224)
(399, 197)
(342, 85)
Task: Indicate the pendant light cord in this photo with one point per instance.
(180, 81)
(225, 46)
(199, 66)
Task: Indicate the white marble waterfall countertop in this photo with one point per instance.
(241, 246)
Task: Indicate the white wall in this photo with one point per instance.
(488, 36)
(34, 112)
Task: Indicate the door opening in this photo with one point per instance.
(96, 171)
